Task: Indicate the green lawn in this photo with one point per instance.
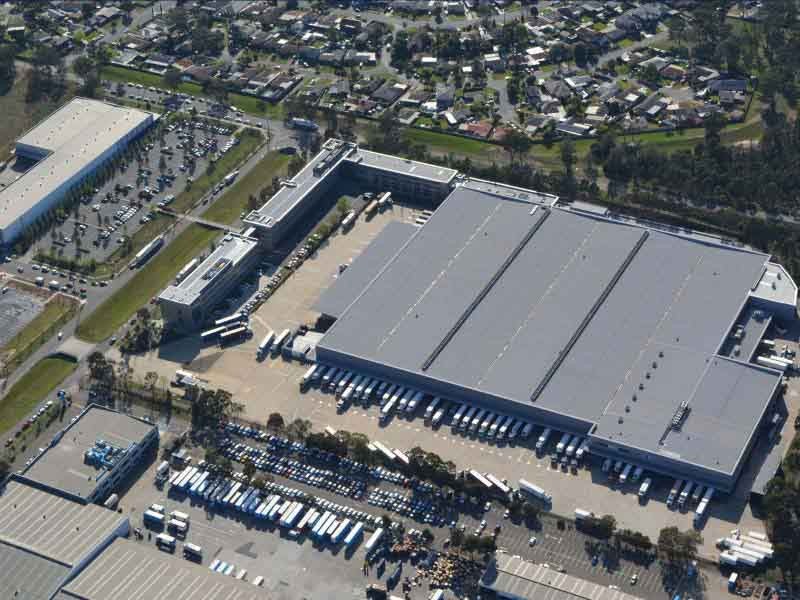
(147, 283)
(115, 73)
(443, 143)
(250, 140)
(248, 104)
(32, 388)
(56, 312)
(228, 208)
(147, 232)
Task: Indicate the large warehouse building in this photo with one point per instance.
(45, 540)
(636, 335)
(68, 147)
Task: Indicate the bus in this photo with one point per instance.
(192, 551)
(165, 542)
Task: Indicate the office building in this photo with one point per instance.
(188, 303)
(308, 189)
(66, 148)
(89, 459)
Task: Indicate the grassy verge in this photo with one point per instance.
(149, 281)
(250, 140)
(248, 104)
(56, 312)
(32, 388)
(20, 115)
(228, 208)
(443, 143)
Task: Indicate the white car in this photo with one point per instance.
(532, 542)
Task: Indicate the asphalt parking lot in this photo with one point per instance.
(119, 207)
(180, 101)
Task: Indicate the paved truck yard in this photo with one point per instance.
(272, 386)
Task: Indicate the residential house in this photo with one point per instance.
(415, 97)
(339, 89)
(388, 93)
(445, 96)
(158, 63)
(494, 62)
(574, 129)
(642, 18)
(728, 85)
(673, 72)
(558, 89)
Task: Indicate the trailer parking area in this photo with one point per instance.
(291, 568)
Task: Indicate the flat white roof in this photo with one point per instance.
(72, 137)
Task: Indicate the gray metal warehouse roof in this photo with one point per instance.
(62, 466)
(349, 284)
(127, 570)
(73, 136)
(514, 577)
(28, 575)
(58, 529)
(540, 305)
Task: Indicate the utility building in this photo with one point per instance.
(575, 318)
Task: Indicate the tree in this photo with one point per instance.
(343, 206)
(8, 70)
(210, 408)
(172, 78)
(275, 422)
(456, 537)
(249, 468)
(517, 144)
(677, 547)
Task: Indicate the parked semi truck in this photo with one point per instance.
(535, 491)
